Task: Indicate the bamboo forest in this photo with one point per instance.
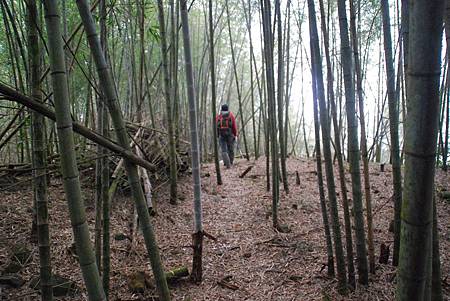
(225, 150)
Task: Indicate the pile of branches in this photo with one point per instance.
(154, 145)
(14, 175)
(150, 144)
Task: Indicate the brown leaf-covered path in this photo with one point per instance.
(250, 258)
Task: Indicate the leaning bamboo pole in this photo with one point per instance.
(107, 84)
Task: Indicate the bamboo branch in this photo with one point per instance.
(40, 108)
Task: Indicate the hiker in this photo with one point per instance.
(227, 132)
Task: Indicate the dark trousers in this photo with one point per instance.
(227, 149)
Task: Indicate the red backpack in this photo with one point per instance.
(224, 124)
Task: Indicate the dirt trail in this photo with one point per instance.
(258, 262)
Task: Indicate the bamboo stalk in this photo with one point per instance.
(108, 88)
(68, 160)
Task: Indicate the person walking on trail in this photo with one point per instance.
(227, 132)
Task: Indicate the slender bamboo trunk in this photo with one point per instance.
(249, 28)
(100, 163)
(264, 105)
(173, 59)
(364, 157)
(324, 120)
(323, 204)
(105, 211)
(271, 109)
(446, 100)
(420, 149)
(405, 39)
(104, 169)
(305, 140)
(198, 228)
(88, 103)
(443, 94)
(107, 85)
(443, 89)
(67, 150)
(338, 152)
(353, 148)
(261, 94)
(213, 93)
(241, 112)
(445, 150)
(280, 91)
(39, 156)
(98, 187)
(167, 93)
(393, 125)
(288, 78)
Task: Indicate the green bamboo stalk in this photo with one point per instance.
(353, 147)
(106, 258)
(252, 88)
(287, 124)
(280, 90)
(98, 188)
(39, 156)
(271, 107)
(324, 120)
(104, 167)
(213, 93)
(107, 84)
(167, 93)
(174, 42)
(393, 125)
(421, 128)
(69, 168)
(338, 151)
(198, 228)
(364, 156)
(238, 87)
(323, 204)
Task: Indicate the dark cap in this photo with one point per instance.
(224, 107)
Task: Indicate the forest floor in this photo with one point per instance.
(259, 262)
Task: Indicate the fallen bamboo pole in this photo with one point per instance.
(13, 95)
(14, 131)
